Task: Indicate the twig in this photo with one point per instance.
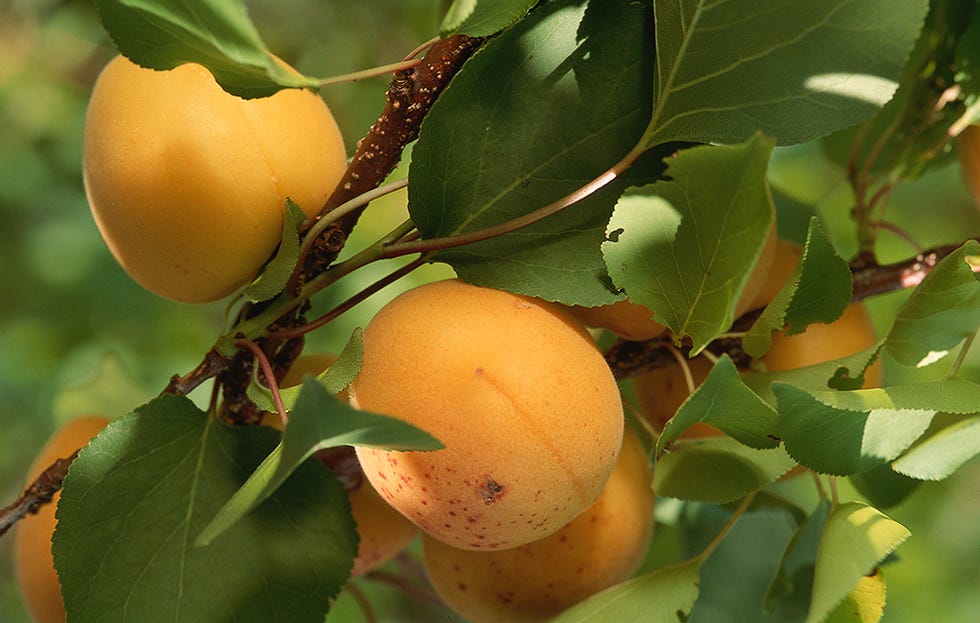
(37, 494)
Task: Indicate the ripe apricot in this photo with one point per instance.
(850, 333)
(187, 182)
(661, 391)
(33, 561)
(628, 320)
(968, 150)
(787, 255)
(518, 393)
(760, 273)
(533, 582)
(383, 531)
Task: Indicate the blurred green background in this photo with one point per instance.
(77, 335)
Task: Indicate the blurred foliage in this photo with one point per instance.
(69, 313)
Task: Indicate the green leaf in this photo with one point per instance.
(276, 273)
(811, 378)
(939, 455)
(136, 498)
(334, 379)
(857, 537)
(940, 313)
(950, 395)
(789, 596)
(819, 290)
(482, 19)
(726, 403)
(717, 470)
(685, 248)
(318, 420)
(218, 34)
(540, 111)
(862, 437)
(796, 69)
(662, 596)
(883, 486)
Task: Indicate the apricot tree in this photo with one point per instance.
(711, 187)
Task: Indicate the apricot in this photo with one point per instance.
(383, 531)
(760, 273)
(968, 150)
(601, 547)
(821, 342)
(628, 320)
(33, 561)
(187, 183)
(661, 391)
(518, 393)
(787, 255)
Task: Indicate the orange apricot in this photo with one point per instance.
(628, 320)
(518, 393)
(661, 391)
(33, 561)
(187, 183)
(968, 150)
(533, 582)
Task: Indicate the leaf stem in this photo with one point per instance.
(370, 73)
(715, 542)
(961, 356)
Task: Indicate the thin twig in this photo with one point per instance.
(37, 494)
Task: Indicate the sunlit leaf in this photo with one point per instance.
(318, 420)
(940, 313)
(856, 539)
(218, 34)
(863, 437)
(726, 403)
(537, 113)
(481, 18)
(717, 470)
(938, 456)
(818, 291)
(137, 497)
(795, 69)
(865, 604)
(662, 596)
(685, 247)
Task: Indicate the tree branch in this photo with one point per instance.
(37, 494)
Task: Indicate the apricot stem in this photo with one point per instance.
(370, 72)
(270, 376)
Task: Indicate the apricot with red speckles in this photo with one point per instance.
(533, 582)
(518, 393)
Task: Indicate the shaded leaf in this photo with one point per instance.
(662, 596)
(819, 290)
(883, 486)
(218, 34)
(857, 537)
(318, 420)
(789, 595)
(717, 470)
(862, 439)
(135, 500)
(796, 69)
(685, 248)
(940, 313)
(865, 604)
(276, 273)
(537, 113)
(726, 403)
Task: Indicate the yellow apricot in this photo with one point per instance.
(850, 333)
(187, 182)
(661, 391)
(33, 562)
(515, 389)
(968, 150)
(628, 320)
(383, 532)
(787, 256)
(601, 547)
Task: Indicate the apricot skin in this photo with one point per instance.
(601, 547)
(33, 561)
(661, 391)
(850, 333)
(628, 320)
(383, 531)
(515, 389)
(187, 183)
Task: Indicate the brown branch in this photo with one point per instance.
(37, 494)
